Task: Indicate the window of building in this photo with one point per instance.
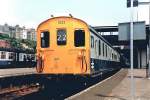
(3, 55)
(92, 42)
(79, 38)
(99, 47)
(61, 37)
(45, 39)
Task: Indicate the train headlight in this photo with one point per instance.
(92, 65)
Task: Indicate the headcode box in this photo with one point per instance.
(139, 31)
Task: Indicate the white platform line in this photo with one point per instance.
(86, 90)
(16, 74)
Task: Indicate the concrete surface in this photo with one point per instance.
(16, 72)
(118, 88)
(100, 90)
(123, 90)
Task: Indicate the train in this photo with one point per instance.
(14, 58)
(68, 46)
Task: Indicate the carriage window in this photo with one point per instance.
(3, 55)
(11, 55)
(112, 56)
(45, 39)
(33, 57)
(95, 44)
(106, 49)
(61, 37)
(103, 49)
(115, 57)
(79, 38)
(92, 42)
(99, 47)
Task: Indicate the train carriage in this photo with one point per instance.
(69, 46)
(13, 58)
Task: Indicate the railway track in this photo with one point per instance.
(29, 88)
(13, 87)
(17, 92)
(59, 90)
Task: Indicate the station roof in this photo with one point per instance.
(106, 28)
(112, 28)
(113, 39)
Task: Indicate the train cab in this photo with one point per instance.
(63, 46)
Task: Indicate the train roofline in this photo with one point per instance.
(96, 33)
(61, 17)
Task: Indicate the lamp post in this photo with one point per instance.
(131, 4)
(131, 50)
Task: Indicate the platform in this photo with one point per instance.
(117, 87)
(16, 72)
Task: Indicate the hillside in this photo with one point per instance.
(19, 43)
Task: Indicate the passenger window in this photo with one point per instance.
(45, 39)
(92, 42)
(96, 45)
(61, 37)
(112, 56)
(79, 38)
(99, 47)
(11, 55)
(103, 49)
(3, 55)
(106, 49)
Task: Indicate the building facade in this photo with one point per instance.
(18, 32)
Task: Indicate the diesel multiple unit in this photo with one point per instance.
(69, 46)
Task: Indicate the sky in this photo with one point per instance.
(30, 13)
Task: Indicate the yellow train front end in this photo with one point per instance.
(63, 47)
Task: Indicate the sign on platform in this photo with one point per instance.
(139, 31)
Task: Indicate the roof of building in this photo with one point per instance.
(112, 28)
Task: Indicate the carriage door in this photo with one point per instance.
(45, 39)
(79, 42)
(45, 43)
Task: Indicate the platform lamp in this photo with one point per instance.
(135, 3)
